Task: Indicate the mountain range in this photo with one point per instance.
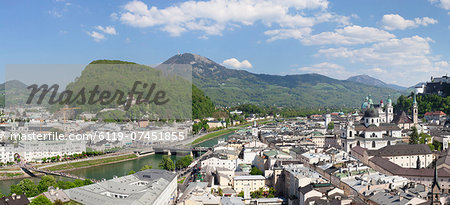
(228, 87)
(368, 80)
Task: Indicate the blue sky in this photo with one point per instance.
(402, 41)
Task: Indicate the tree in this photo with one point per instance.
(414, 137)
(331, 125)
(437, 145)
(424, 138)
(78, 183)
(41, 200)
(184, 162)
(58, 202)
(26, 186)
(167, 163)
(220, 192)
(256, 171)
(45, 182)
(87, 182)
(257, 194)
(271, 192)
(65, 184)
(131, 172)
(145, 167)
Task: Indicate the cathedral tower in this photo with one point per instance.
(415, 111)
(389, 110)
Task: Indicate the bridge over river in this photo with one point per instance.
(162, 149)
(29, 170)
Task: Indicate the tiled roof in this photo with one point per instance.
(394, 169)
(402, 118)
(401, 150)
(439, 113)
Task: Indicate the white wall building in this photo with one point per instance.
(36, 150)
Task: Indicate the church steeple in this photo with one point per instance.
(435, 187)
(415, 111)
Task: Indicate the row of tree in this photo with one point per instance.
(66, 157)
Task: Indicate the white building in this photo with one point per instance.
(406, 155)
(7, 152)
(36, 150)
(152, 186)
(216, 162)
(248, 183)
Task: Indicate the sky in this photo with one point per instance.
(402, 42)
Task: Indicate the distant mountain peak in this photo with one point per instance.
(369, 80)
(188, 58)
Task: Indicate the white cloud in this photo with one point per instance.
(377, 70)
(279, 34)
(395, 21)
(408, 59)
(56, 13)
(445, 4)
(99, 35)
(107, 30)
(326, 68)
(114, 17)
(96, 36)
(349, 35)
(234, 63)
(212, 17)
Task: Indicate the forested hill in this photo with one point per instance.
(425, 103)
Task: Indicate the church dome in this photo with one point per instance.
(371, 113)
(364, 105)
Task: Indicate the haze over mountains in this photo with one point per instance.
(228, 87)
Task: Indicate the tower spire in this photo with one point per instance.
(435, 188)
(415, 111)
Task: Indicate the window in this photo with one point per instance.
(373, 144)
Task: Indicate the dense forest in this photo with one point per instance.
(426, 103)
(202, 106)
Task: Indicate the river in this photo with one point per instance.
(108, 171)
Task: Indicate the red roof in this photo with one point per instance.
(439, 113)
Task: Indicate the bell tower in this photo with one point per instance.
(415, 111)
(389, 110)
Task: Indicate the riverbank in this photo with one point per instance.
(220, 133)
(91, 163)
(16, 173)
(213, 135)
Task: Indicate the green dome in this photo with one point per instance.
(364, 105)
